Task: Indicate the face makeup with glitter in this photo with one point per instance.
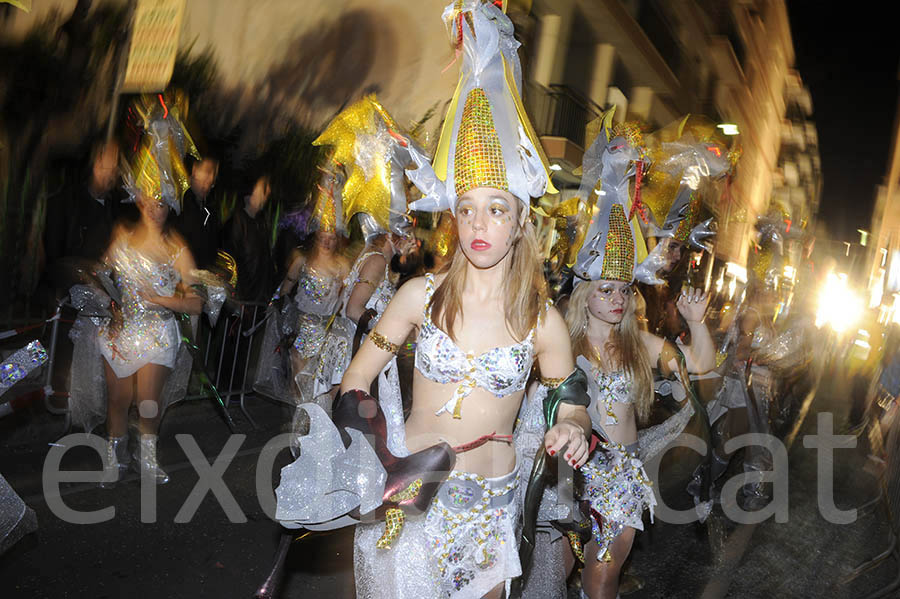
(486, 222)
(609, 301)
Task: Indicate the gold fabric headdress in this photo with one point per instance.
(487, 139)
(368, 143)
(156, 170)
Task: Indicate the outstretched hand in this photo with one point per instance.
(569, 436)
(692, 304)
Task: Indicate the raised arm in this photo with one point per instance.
(399, 318)
(573, 425)
(700, 355)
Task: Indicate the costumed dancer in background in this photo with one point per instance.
(152, 268)
(753, 355)
(368, 141)
(618, 357)
(369, 144)
(480, 330)
(321, 349)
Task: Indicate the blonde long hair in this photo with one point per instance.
(625, 347)
(524, 288)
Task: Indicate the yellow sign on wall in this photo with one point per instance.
(154, 45)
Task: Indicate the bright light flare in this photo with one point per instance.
(839, 307)
(728, 128)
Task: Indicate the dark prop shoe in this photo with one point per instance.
(412, 481)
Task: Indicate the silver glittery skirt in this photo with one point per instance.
(151, 337)
(325, 344)
(87, 377)
(618, 489)
(464, 546)
(16, 518)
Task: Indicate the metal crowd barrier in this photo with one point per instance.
(240, 325)
(226, 365)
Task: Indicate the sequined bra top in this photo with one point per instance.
(137, 274)
(501, 370)
(605, 388)
(317, 294)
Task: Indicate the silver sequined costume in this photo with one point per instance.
(147, 334)
(323, 336)
(380, 297)
(613, 479)
(464, 546)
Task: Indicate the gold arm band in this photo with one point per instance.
(382, 343)
(552, 383)
(366, 281)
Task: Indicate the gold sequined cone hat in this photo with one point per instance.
(613, 244)
(156, 168)
(487, 139)
(373, 150)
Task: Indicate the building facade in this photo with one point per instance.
(657, 61)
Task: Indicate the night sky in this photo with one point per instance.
(849, 60)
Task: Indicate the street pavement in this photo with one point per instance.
(210, 556)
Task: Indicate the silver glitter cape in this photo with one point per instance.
(16, 518)
(328, 481)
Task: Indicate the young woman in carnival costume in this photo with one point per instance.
(754, 356)
(618, 356)
(153, 273)
(481, 324)
(367, 141)
(320, 350)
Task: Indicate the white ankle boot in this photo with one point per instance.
(115, 461)
(148, 466)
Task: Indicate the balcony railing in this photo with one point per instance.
(560, 111)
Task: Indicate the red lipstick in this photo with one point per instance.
(480, 245)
